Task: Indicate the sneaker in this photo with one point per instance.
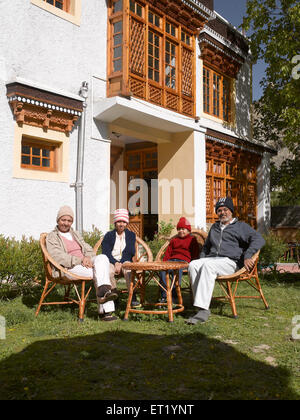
(134, 302)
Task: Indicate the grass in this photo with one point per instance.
(55, 357)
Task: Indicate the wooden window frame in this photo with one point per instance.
(42, 145)
(236, 179)
(216, 102)
(65, 4)
(178, 94)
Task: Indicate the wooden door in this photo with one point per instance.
(141, 164)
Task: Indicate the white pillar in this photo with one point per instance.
(263, 194)
(200, 179)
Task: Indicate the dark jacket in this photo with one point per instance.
(238, 241)
(109, 242)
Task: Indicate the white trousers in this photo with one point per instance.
(100, 273)
(203, 273)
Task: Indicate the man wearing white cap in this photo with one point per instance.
(67, 247)
(119, 247)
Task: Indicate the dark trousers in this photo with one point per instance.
(163, 280)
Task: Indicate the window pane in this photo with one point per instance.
(118, 27)
(118, 5)
(26, 160)
(118, 65)
(46, 163)
(36, 161)
(118, 39)
(45, 153)
(36, 151)
(117, 52)
(26, 150)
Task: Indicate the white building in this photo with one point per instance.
(169, 100)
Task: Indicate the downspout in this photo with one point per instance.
(78, 185)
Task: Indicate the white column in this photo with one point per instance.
(200, 179)
(263, 194)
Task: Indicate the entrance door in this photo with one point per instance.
(141, 163)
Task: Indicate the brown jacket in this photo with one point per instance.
(56, 248)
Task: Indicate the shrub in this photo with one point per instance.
(92, 237)
(272, 251)
(160, 237)
(20, 263)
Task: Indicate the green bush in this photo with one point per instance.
(20, 263)
(92, 237)
(273, 250)
(160, 237)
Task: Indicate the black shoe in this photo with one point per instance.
(134, 302)
(107, 317)
(109, 295)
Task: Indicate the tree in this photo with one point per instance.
(275, 28)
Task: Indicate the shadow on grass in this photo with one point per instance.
(120, 365)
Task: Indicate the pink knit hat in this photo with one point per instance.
(121, 215)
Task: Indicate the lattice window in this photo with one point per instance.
(159, 53)
(187, 72)
(137, 50)
(231, 173)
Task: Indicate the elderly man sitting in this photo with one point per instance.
(67, 247)
(230, 245)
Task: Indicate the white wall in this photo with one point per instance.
(38, 46)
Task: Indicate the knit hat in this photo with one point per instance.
(184, 223)
(121, 215)
(65, 211)
(225, 202)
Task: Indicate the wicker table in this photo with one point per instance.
(138, 271)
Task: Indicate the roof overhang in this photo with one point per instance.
(110, 110)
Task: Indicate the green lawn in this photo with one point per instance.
(54, 357)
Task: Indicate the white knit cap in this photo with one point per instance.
(121, 215)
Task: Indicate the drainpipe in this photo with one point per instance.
(78, 185)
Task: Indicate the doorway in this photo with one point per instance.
(141, 164)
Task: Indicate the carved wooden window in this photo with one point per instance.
(158, 56)
(231, 172)
(154, 56)
(117, 45)
(38, 155)
(60, 4)
(216, 94)
(171, 65)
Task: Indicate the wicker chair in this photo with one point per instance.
(72, 280)
(200, 235)
(142, 253)
(229, 285)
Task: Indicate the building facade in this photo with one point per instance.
(166, 122)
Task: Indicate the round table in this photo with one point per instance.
(140, 281)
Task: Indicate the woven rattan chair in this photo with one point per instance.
(229, 285)
(200, 235)
(142, 253)
(71, 281)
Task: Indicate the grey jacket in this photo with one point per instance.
(238, 241)
(56, 248)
